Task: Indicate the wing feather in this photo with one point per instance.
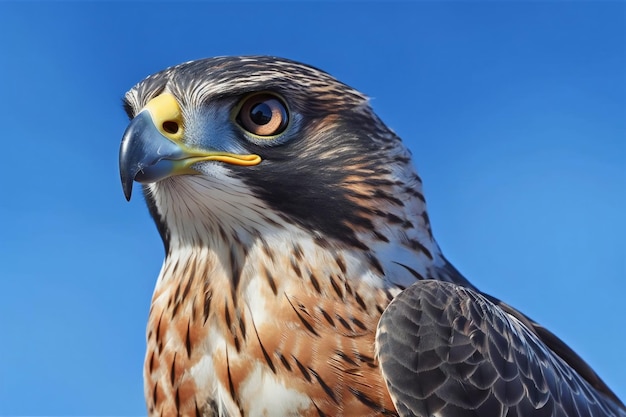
(447, 350)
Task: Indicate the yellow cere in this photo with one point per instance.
(166, 114)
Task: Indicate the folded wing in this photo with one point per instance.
(447, 350)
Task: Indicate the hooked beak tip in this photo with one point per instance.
(127, 186)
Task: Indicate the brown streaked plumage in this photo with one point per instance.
(284, 251)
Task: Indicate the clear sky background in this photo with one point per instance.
(515, 113)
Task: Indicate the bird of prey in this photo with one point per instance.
(301, 275)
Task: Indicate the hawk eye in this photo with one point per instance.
(263, 115)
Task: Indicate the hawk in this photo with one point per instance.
(301, 275)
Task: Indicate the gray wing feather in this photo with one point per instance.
(447, 350)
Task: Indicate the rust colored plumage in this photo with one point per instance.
(321, 343)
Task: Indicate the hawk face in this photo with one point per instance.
(244, 143)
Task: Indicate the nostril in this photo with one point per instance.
(170, 127)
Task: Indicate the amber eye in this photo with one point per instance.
(263, 115)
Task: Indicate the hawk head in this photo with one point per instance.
(250, 146)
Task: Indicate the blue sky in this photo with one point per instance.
(515, 113)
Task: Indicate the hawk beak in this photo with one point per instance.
(152, 147)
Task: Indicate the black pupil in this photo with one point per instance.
(261, 114)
